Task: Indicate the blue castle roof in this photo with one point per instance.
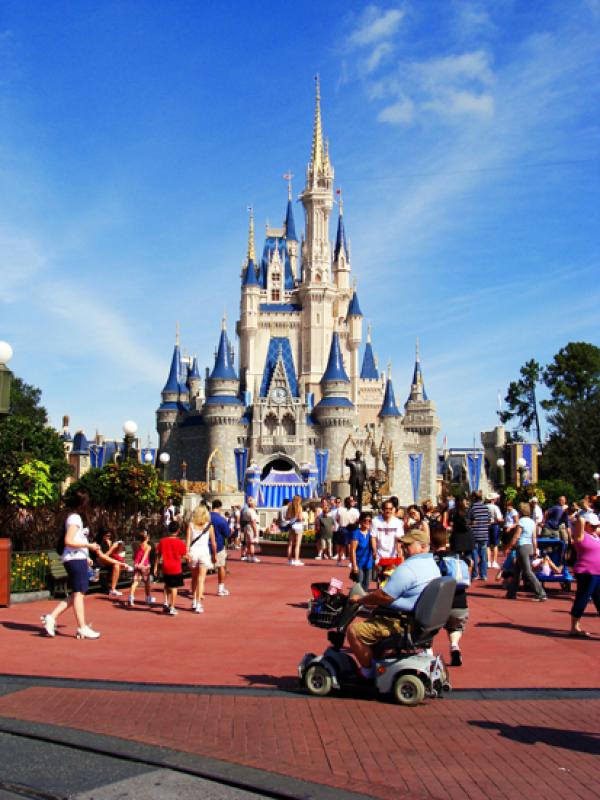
(389, 407)
(277, 345)
(194, 372)
(340, 239)
(354, 307)
(418, 378)
(290, 227)
(335, 366)
(369, 369)
(224, 369)
(250, 275)
(172, 384)
(270, 243)
(80, 444)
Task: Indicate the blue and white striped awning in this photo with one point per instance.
(280, 485)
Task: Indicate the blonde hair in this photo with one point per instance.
(294, 509)
(200, 515)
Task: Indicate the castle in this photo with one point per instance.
(300, 396)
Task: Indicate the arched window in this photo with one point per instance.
(271, 424)
(289, 425)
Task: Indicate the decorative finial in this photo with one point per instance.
(417, 356)
(177, 333)
(288, 177)
(369, 327)
(353, 284)
(389, 370)
(317, 143)
(338, 191)
(251, 253)
(224, 320)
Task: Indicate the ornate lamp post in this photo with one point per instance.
(6, 353)
(148, 458)
(164, 459)
(129, 429)
(500, 465)
(521, 466)
(596, 477)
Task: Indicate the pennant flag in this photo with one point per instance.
(415, 464)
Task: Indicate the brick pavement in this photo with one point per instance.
(255, 638)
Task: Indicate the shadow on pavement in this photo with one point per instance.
(532, 629)
(285, 682)
(578, 741)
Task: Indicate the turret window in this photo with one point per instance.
(275, 295)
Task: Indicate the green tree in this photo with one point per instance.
(573, 375)
(30, 486)
(25, 402)
(521, 400)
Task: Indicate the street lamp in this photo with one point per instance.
(164, 459)
(521, 466)
(148, 457)
(596, 477)
(500, 464)
(6, 353)
(129, 429)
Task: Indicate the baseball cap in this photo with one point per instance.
(592, 519)
(415, 536)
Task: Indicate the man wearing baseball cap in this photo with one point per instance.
(586, 540)
(401, 593)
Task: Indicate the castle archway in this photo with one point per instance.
(278, 461)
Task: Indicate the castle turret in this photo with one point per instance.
(354, 322)
(420, 417)
(289, 232)
(341, 253)
(195, 384)
(166, 414)
(222, 414)
(249, 309)
(368, 370)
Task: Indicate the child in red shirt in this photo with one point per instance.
(170, 551)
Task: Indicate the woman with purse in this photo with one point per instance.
(293, 518)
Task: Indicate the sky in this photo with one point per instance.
(465, 136)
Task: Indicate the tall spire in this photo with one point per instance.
(172, 384)
(317, 142)
(224, 368)
(335, 370)
(289, 226)
(418, 387)
(251, 256)
(340, 239)
(389, 407)
(368, 370)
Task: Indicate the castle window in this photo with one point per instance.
(289, 425)
(271, 424)
(275, 295)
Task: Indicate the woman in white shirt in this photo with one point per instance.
(75, 557)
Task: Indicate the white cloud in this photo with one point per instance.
(376, 25)
(472, 66)
(455, 103)
(400, 113)
(379, 54)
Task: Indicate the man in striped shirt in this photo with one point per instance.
(479, 519)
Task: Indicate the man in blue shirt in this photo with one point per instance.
(401, 593)
(222, 532)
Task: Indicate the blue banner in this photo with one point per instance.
(148, 451)
(252, 481)
(241, 462)
(474, 463)
(96, 455)
(415, 464)
(322, 460)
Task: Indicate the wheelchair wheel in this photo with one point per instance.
(409, 690)
(318, 681)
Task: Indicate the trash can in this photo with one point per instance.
(5, 549)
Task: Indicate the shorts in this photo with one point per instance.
(457, 621)
(200, 559)
(77, 575)
(173, 581)
(141, 572)
(376, 628)
(249, 536)
(339, 537)
(494, 535)
(221, 558)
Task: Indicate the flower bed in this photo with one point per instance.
(307, 536)
(28, 572)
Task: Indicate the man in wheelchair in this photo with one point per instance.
(394, 603)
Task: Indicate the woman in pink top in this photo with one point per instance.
(587, 569)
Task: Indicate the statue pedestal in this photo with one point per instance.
(340, 489)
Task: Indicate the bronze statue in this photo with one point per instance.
(358, 476)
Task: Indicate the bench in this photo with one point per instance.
(125, 577)
(56, 576)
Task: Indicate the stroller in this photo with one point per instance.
(402, 665)
(556, 551)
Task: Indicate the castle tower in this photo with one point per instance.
(335, 412)
(166, 414)
(222, 415)
(195, 385)
(341, 253)
(289, 231)
(250, 302)
(354, 322)
(420, 418)
(389, 415)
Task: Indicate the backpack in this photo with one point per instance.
(454, 567)
(60, 543)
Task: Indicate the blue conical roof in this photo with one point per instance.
(340, 239)
(80, 444)
(354, 307)
(290, 226)
(389, 407)
(172, 384)
(369, 368)
(223, 368)
(194, 372)
(250, 276)
(335, 366)
(418, 378)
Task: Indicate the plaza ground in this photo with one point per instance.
(222, 687)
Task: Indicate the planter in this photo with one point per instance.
(269, 548)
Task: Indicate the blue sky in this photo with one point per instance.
(465, 137)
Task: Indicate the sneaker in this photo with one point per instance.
(495, 565)
(540, 599)
(87, 633)
(150, 600)
(244, 558)
(114, 593)
(254, 560)
(131, 600)
(455, 658)
(95, 576)
(194, 604)
(49, 624)
(318, 558)
(291, 562)
(223, 592)
(173, 612)
(199, 609)
(298, 563)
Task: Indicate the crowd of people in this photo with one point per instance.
(478, 532)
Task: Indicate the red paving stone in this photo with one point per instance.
(455, 748)
(256, 637)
